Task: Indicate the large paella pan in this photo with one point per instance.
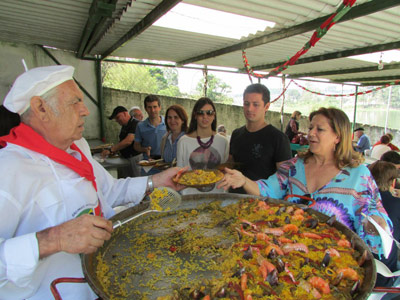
(147, 259)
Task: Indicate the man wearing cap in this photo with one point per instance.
(363, 140)
(126, 140)
(54, 197)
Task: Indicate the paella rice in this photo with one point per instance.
(200, 177)
(248, 250)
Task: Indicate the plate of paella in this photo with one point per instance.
(198, 178)
(233, 249)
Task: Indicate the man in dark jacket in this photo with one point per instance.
(126, 141)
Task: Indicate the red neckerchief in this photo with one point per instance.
(24, 136)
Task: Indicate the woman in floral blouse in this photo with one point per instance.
(331, 173)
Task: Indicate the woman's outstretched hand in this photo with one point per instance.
(232, 179)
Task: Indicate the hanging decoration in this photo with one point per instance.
(317, 35)
(283, 92)
(380, 64)
(334, 95)
(348, 95)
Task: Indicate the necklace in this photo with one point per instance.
(207, 144)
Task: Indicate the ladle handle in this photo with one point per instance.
(119, 223)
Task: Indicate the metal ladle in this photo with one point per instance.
(170, 202)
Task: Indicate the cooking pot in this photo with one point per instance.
(119, 243)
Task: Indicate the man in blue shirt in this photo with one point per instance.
(363, 140)
(149, 132)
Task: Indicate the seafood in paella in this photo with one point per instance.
(248, 250)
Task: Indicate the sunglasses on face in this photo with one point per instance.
(205, 112)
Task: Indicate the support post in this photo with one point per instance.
(283, 100)
(99, 84)
(205, 74)
(355, 109)
(388, 107)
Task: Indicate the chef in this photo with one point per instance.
(54, 198)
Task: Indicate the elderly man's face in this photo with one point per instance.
(359, 133)
(67, 126)
(137, 114)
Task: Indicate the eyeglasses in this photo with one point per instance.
(205, 112)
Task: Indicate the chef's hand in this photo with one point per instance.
(81, 235)
(232, 178)
(165, 178)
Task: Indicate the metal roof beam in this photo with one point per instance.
(356, 12)
(145, 23)
(345, 71)
(335, 55)
(369, 79)
(379, 83)
(99, 12)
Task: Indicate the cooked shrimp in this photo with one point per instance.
(311, 235)
(274, 231)
(320, 284)
(349, 273)
(344, 243)
(294, 247)
(275, 247)
(243, 282)
(290, 228)
(332, 252)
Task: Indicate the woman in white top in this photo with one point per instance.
(381, 148)
(201, 147)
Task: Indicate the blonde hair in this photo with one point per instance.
(384, 173)
(345, 155)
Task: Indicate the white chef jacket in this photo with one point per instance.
(36, 193)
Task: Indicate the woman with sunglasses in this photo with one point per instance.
(201, 147)
(176, 123)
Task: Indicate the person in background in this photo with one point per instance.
(177, 125)
(55, 199)
(385, 175)
(393, 157)
(202, 147)
(392, 147)
(363, 141)
(292, 128)
(331, 173)
(126, 140)
(258, 146)
(149, 132)
(8, 120)
(222, 131)
(136, 113)
(379, 150)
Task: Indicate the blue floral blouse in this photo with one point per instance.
(351, 192)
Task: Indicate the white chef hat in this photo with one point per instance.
(35, 82)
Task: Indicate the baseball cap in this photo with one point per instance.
(359, 129)
(35, 82)
(116, 111)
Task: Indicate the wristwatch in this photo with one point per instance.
(149, 185)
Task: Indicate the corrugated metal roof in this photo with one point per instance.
(93, 28)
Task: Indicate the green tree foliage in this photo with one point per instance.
(143, 79)
(217, 90)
